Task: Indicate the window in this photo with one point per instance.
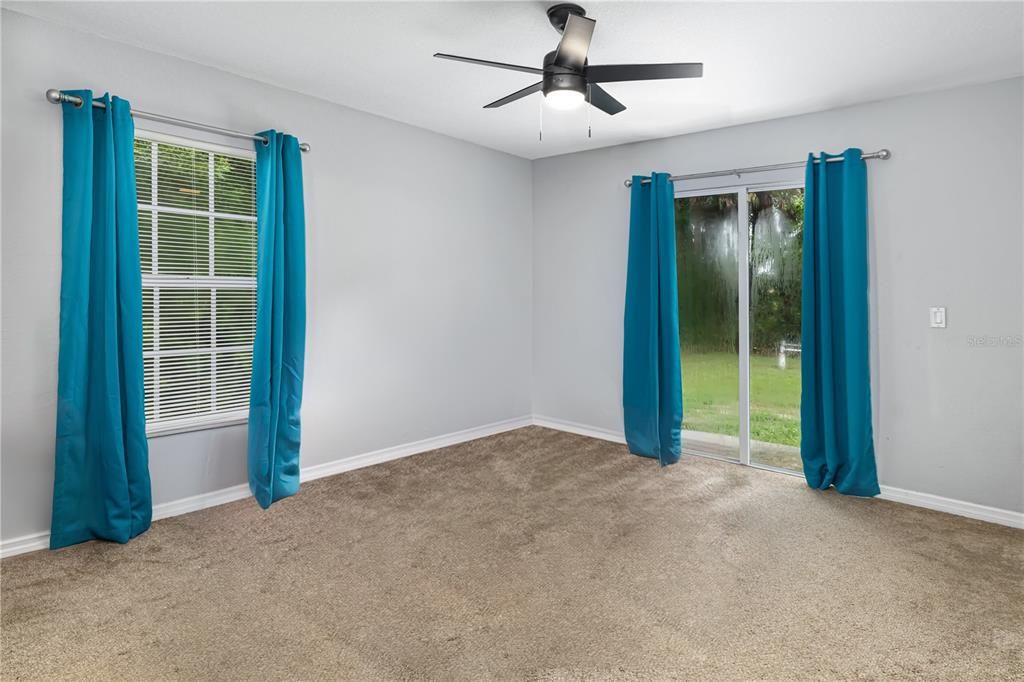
(197, 244)
(739, 248)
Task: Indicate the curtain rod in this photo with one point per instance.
(56, 97)
(882, 154)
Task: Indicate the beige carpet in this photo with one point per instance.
(531, 555)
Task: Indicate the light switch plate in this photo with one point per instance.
(937, 317)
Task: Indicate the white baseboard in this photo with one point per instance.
(579, 429)
(971, 510)
(23, 544)
(201, 501)
(35, 541)
(399, 451)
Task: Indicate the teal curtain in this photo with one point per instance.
(275, 397)
(836, 442)
(652, 383)
(101, 484)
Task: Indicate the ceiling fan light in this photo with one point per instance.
(564, 99)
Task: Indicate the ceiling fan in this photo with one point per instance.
(567, 79)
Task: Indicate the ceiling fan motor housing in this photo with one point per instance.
(561, 81)
(559, 14)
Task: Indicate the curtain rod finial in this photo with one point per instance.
(54, 95)
(884, 154)
(304, 146)
(627, 183)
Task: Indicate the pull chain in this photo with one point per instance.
(540, 124)
(588, 111)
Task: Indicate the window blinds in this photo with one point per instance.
(197, 244)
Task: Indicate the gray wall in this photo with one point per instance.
(946, 229)
(418, 257)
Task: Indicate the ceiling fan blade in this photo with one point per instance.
(572, 49)
(484, 62)
(600, 98)
(518, 94)
(609, 73)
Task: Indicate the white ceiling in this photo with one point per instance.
(761, 60)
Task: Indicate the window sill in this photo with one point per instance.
(170, 428)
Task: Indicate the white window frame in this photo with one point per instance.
(741, 185)
(217, 419)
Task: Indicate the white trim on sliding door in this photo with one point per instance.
(786, 178)
(743, 291)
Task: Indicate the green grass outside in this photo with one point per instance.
(711, 396)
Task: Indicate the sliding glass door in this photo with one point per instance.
(708, 265)
(775, 220)
(739, 251)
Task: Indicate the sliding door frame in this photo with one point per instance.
(741, 186)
